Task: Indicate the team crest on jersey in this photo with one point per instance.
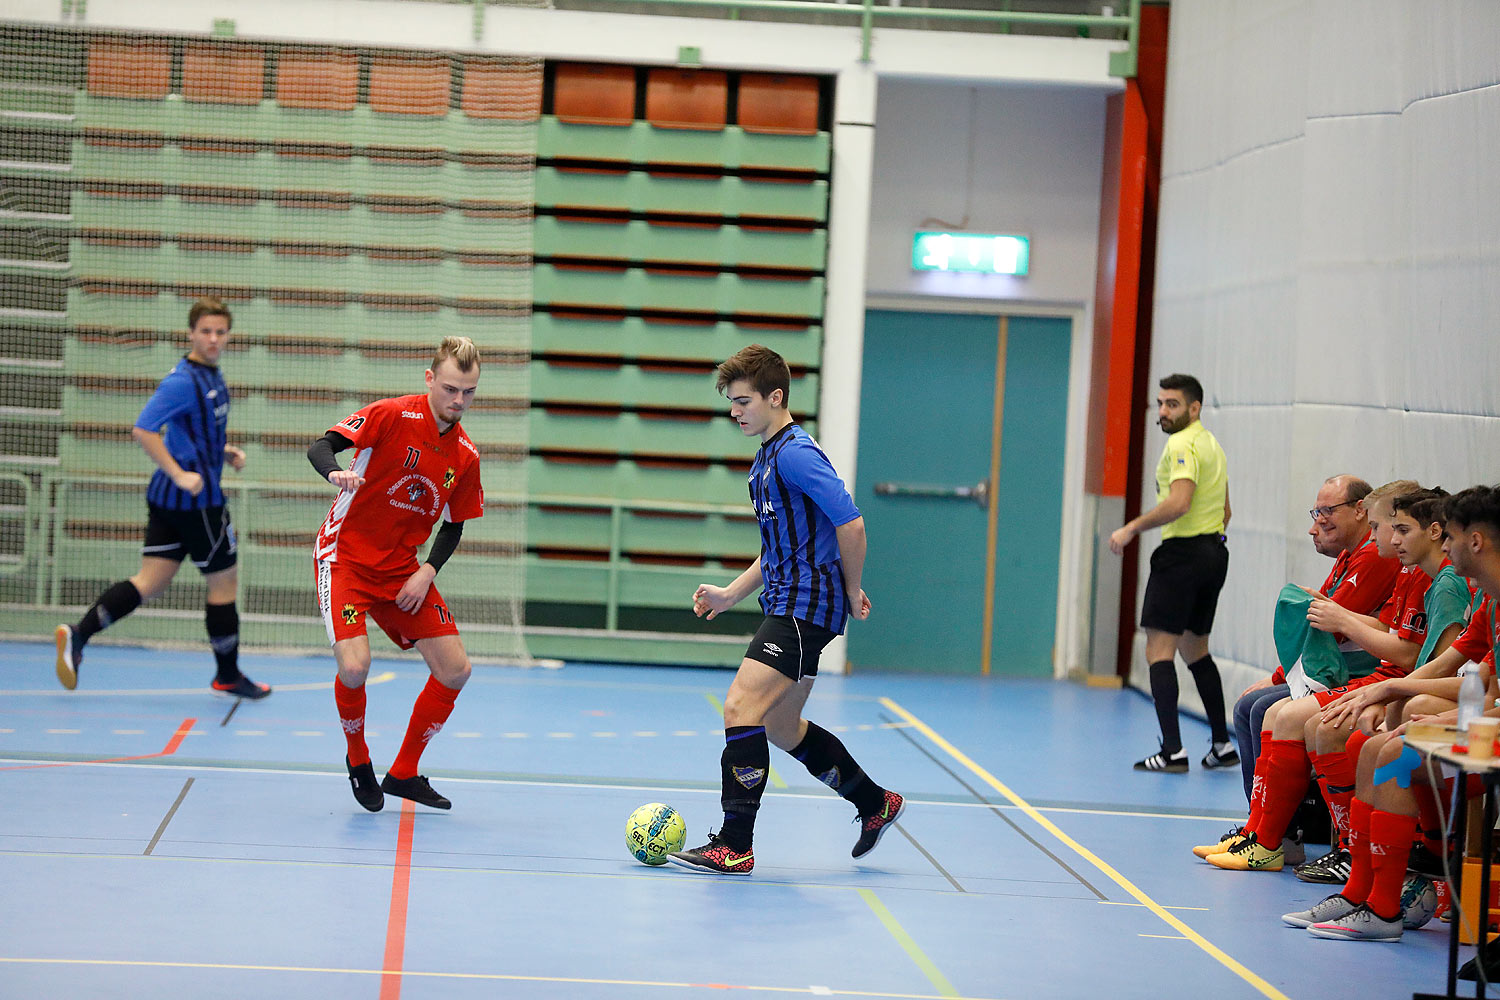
(351, 615)
(414, 492)
(448, 478)
(749, 776)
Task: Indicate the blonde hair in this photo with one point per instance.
(461, 349)
(1390, 491)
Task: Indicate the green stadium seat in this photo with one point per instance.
(663, 289)
(640, 240)
(635, 337)
(638, 191)
(731, 149)
(639, 480)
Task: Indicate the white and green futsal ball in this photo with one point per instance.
(653, 831)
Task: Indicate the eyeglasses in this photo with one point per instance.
(1325, 512)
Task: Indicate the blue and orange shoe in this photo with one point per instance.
(715, 857)
(241, 687)
(872, 828)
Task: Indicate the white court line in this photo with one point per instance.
(602, 787)
(380, 678)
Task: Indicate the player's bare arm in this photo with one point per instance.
(851, 539)
(1175, 504)
(709, 601)
(235, 457)
(155, 445)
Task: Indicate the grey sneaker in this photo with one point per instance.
(1331, 869)
(1359, 924)
(1292, 849)
(1332, 908)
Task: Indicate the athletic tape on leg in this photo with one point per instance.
(1400, 769)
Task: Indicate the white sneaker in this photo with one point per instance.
(1332, 908)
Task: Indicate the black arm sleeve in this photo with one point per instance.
(445, 543)
(320, 453)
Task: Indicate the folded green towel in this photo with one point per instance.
(1322, 665)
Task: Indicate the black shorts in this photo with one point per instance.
(789, 645)
(205, 534)
(1182, 592)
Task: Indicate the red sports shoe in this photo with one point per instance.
(872, 828)
(716, 857)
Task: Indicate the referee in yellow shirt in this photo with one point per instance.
(1187, 570)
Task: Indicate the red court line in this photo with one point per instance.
(166, 751)
(395, 927)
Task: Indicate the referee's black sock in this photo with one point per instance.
(1211, 691)
(223, 624)
(115, 603)
(1164, 694)
(824, 756)
(743, 769)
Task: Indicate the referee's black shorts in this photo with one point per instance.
(205, 534)
(1182, 592)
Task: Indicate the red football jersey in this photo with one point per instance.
(1476, 642)
(1362, 580)
(413, 475)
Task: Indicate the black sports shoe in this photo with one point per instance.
(1221, 755)
(69, 656)
(715, 857)
(366, 789)
(1174, 763)
(1331, 869)
(872, 828)
(417, 789)
(1423, 861)
(242, 687)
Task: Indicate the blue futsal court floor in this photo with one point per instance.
(152, 844)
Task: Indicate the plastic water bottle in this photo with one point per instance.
(1470, 701)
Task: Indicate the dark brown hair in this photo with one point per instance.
(763, 368)
(208, 306)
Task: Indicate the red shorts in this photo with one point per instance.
(1326, 698)
(344, 597)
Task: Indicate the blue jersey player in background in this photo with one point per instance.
(812, 552)
(184, 428)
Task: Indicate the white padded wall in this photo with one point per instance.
(1328, 264)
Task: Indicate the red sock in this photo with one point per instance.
(351, 703)
(1285, 785)
(432, 709)
(1390, 843)
(1336, 778)
(1354, 744)
(1429, 820)
(1258, 783)
(1358, 887)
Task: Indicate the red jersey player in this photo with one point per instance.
(412, 465)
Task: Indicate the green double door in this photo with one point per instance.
(927, 439)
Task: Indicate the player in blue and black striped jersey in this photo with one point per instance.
(184, 428)
(812, 553)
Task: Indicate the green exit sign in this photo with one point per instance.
(976, 253)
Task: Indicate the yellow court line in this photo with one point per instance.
(1212, 949)
(776, 780)
(491, 976)
(909, 946)
(380, 678)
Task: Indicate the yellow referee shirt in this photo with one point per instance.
(1194, 453)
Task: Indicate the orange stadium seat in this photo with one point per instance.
(129, 67)
(326, 80)
(409, 86)
(585, 94)
(223, 73)
(687, 98)
(496, 89)
(780, 105)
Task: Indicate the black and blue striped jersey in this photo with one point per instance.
(191, 410)
(799, 500)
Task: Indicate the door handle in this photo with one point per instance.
(979, 492)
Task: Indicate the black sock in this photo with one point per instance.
(115, 603)
(1164, 693)
(824, 756)
(1211, 691)
(223, 624)
(743, 769)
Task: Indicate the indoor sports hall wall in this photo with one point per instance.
(1328, 265)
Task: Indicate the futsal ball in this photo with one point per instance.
(1419, 901)
(653, 831)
